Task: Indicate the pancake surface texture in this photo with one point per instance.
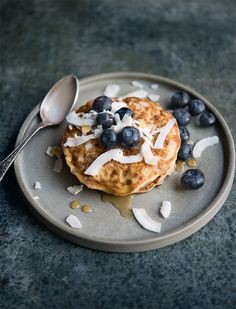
(123, 179)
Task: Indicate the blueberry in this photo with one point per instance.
(182, 116)
(207, 119)
(196, 107)
(184, 134)
(124, 110)
(109, 138)
(129, 137)
(185, 152)
(193, 179)
(102, 103)
(105, 119)
(180, 99)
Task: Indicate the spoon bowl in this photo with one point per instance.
(58, 102)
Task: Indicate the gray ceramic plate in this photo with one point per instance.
(105, 229)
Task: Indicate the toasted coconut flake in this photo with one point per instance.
(154, 97)
(115, 106)
(148, 223)
(76, 120)
(112, 90)
(75, 189)
(137, 84)
(79, 140)
(98, 163)
(165, 209)
(54, 151)
(141, 93)
(203, 144)
(74, 222)
(163, 134)
(146, 152)
(58, 166)
(37, 185)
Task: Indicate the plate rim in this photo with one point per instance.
(182, 232)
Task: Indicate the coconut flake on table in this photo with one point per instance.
(164, 131)
(154, 97)
(137, 84)
(165, 209)
(75, 189)
(147, 154)
(79, 140)
(75, 119)
(115, 106)
(37, 185)
(58, 166)
(203, 144)
(141, 93)
(74, 222)
(143, 219)
(36, 197)
(111, 90)
(98, 163)
(154, 86)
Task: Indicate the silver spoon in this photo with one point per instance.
(53, 110)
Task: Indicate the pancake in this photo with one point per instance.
(118, 178)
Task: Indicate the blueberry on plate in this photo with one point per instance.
(109, 138)
(184, 134)
(182, 116)
(193, 179)
(180, 99)
(129, 137)
(105, 119)
(196, 107)
(124, 110)
(185, 151)
(207, 119)
(102, 103)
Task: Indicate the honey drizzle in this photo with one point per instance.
(192, 162)
(122, 203)
(87, 209)
(179, 167)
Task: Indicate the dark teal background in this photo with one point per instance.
(193, 42)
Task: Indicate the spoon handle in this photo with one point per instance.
(7, 162)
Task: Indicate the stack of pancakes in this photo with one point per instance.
(124, 179)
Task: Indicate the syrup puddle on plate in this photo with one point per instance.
(122, 203)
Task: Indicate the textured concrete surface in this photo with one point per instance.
(193, 42)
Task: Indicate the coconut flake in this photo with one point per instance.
(148, 223)
(79, 140)
(129, 159)
(165, 209)
(154, 86)
(203, 144)
(74, 119)
(36, 197)
(115, 106)
(164, 131)
(54, 151)
(146, 152)
(88, 146)
(74, 222)
(154, 97)
(127, 120)
(75, 189)
(37, 185)
(137, 84)
(112, 90)
(98, 163)
(141, 93)
(58, 166)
